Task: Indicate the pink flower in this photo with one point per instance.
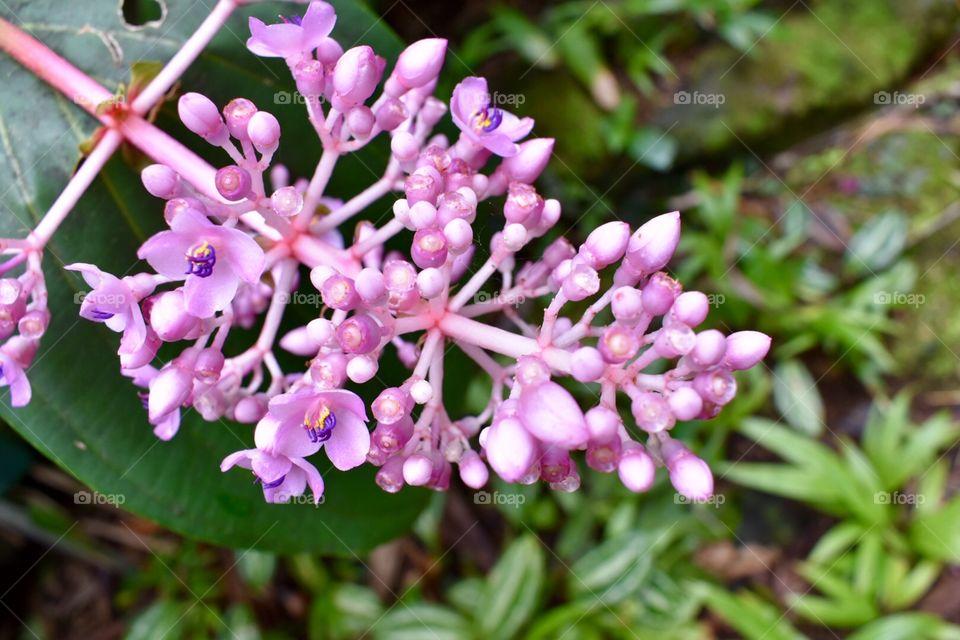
(295, 36)
(212, 260)
(282, 477)
(12, 374)
(113, 303)
(298, 424)
(483, 123)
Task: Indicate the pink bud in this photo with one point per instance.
(420, 62)
(202, 117)
(523, 204)
(618, 344)
(690, 308)
(168, 391)
(626, 305)
(659, 293)
(604, 456)
(391, 405)
(429, 248)
(264, 132)
(233, 183)
(308, 75)
(390, 475)
(689, 475)
(430, 283)
(587, 365)
(209, 365)
(286, 201)
(355, 77)
(250, 409)
(144, 355)
(329, 371)
(417, 470)
(370, 285)
(453, 206)
(424, 184)
(161, 181)
(652, 245)
(551, 414)
(299, 342)
(392, 437)
(169, 317)
(603, 424)
(391, 114)
(511, 450)
(675, 340)
(321, 331)
(530, 162)
(582, 282)
(33, 324)
(685, 403)
(558, 251)
(606, 244)
(177, 206)
(718, 387)
(708, 349)
(555, 464)
(360, 121)
(459, 235)
(361, 369)
(399, 276)
(531, 371)
(745, 349)
(473, 471)
(238, 114)
(339, 292)
(636, 469)
(358, 334)
(652, 412)
(404, 146)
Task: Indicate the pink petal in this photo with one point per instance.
(350, 442)
(135, 333)
(166, 253)
(284, 438)
(239, 458)
(268, 467)
(206, 296)
(91, 273)
(314, 479)
(168, 427)
(513, 127)
(293, 485)
(500, 145)
(317, 24)
(243, 254)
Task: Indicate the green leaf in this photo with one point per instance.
(653, 148)
(513, 588)
(907, 626)
(936, 534)
(797, 398)
(615, 569)
(85, 416)
(751, 616)
(256, 567)
(877, 244)
(157, 621)
(422, 620)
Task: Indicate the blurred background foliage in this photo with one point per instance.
(812, 147)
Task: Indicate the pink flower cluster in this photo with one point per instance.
(235, 252)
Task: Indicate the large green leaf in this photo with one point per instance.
(84, 415)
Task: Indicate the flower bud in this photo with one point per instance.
(551, 414)
(358, 334)
(606, 244)
(360, 121)
(429, 248)
(603, 424)
(161, 181)
(339, 292)
(659, 293)
(636, 469)
(169, 317)
(718, 387)
(473, 471)
(144, 355)
(511, 450)
(370, 285)
(652, 245)
(286, 201)
(299, 342)
(417, 470)
(250, 410)
(652, 412)
(33, 324)
(587, 364)
(689, 475)
(391, 114)
(459, 235)
(209, 365)
(745, 349)
(390, 476)
(404, 146)
(604, 456)
(555, 465)
(690, 308)
(329, 371)
(168, 391)
(582, 282)
(308, 74)
(355, 77)
(392, 437)
(523, 204)
(424, 184)
(264, 132)
(529, 163)
(361, 369)
(626, 305)
(233, 183)
(238, 114)
(430, 283)
(320, 331)
(202, 117)
(675, 340)
(618, 344)
(685, 403)
(420, 63)
(708, 350)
